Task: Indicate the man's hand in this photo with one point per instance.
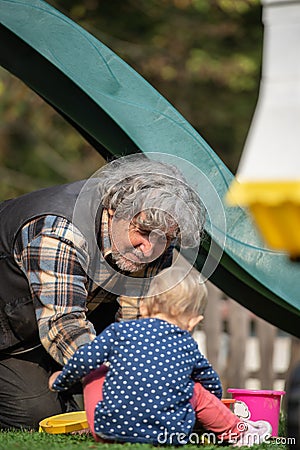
(52, 379)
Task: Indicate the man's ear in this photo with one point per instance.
(111, 212)
(143, 309)
(193, 321)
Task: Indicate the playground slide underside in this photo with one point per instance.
(119, 113)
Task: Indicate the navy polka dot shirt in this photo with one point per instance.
(146, 393)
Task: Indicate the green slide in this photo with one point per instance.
(119, 113)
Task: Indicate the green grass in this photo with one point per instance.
(26, 440)
(14, 440)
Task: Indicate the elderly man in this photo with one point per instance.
(73, 259)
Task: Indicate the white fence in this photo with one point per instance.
(245, 350)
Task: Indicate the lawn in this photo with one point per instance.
(42, 441)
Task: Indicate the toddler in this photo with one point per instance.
(146, 381)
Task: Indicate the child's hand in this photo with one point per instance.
(52, 379)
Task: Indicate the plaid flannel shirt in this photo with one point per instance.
(52, 253)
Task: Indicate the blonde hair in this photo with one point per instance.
(186, 298)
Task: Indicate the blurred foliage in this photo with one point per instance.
(204, 56)
(38, 148)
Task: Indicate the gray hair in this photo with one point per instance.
(133, 184)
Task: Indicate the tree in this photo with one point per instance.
(202, 55)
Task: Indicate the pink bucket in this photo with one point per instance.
(258, 405)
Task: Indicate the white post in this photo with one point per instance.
(272, 150)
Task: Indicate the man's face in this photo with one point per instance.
(133, 247)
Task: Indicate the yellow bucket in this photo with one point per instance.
(64, 423)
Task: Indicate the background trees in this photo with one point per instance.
(204, 56)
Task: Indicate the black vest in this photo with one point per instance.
(18, 326)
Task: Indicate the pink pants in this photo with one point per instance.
(210, 412)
